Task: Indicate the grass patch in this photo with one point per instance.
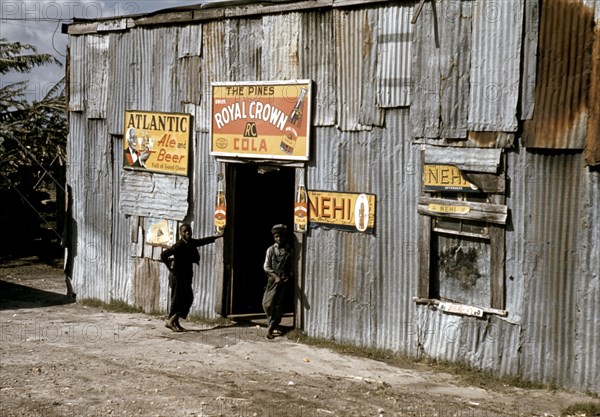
(465, 374)
(115, 306)
(582, 409)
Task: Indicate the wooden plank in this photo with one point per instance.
(474, 206)
(424, 256)
(497, 270)
(497, 258)
(435, 302)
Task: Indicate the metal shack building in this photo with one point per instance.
(506, 279)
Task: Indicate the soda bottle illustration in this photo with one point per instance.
(220, 210)
(288, 141)
(301, 210)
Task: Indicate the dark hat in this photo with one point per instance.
(279, 228)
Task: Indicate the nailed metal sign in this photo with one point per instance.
(445, 178)
(157, 142)
(265, 120)
(352, 212)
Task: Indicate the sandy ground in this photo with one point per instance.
(65, 359)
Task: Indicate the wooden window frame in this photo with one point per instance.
(493, 213)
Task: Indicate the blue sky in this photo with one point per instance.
(39, 23)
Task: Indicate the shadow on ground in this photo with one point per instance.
(16, 296)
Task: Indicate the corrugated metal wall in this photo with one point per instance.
(357, 288)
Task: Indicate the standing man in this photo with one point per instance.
(180, 258)
(280, 273)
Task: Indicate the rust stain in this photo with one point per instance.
(563, 76)
(484, 139)
(592, 146)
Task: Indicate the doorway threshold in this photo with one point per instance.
(261, 319)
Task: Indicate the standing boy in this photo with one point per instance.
(180, 258)
(279, 269)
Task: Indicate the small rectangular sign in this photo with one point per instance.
(460, 309)
(160, 232)
(445, 178)
(352, 212)
(443, 208)
(266, 120)
(157, 142)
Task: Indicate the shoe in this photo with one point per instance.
(270, 336)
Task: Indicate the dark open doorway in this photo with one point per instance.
(262, 196)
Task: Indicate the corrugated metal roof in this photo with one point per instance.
(563, 80)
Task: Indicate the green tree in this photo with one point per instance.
(33, 137)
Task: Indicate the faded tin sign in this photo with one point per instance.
(266, 120)
(445, 178)
(160, 232)
(352, 212)
(157, 142)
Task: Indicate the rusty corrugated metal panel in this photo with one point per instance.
(76, 73)
(587, 341)
(91, 177)
(592, 145)
(552, 270)
(214, 68)
(366, 283)
(153, 195)
(202, 218)
(164, 59)
(562, 94)
(531, 24)
(396, 178)
(140, 93)
(318, 63)
(441, 54)
(120, 85)
(356, 48)
(243, 49)
(96, 73)
(394, 56)
(121, 242)
(495, 65)
(280, 47)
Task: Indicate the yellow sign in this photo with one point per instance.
(442, 208)
(157, 142)
(445, 178)
(261, 120)
(348, 211)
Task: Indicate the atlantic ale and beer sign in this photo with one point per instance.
(266, 120)
(352, 212)
(157, 142)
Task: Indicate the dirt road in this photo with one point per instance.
(65, 359)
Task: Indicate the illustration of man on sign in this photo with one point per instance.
(138, 149)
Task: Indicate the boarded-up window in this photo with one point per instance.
(461, 245)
